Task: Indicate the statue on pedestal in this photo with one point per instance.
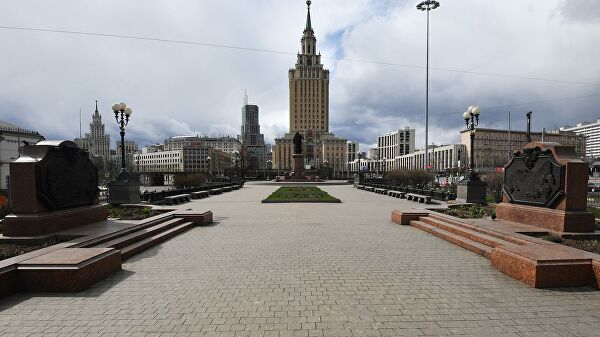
(298, 143)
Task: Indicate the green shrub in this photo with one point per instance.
(410, 177)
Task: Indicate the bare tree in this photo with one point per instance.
(494, 182)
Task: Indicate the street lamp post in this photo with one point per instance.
(471, 117)
(427, 5)
(209, 168)
(122, 115)
(125, 189)
(471, 189)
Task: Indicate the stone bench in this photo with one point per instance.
(226, 189)
(178, 199)
(380, 191)
(369, 188)
(200, 194)
(419, 198)
(397, 194)
(215, 191)
(235, 187)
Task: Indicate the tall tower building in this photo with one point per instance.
(309, 87)
(251, 137)
(96, 142)
(309, 113)
(250, 127)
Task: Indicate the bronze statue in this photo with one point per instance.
(298, 143)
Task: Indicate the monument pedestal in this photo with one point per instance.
(553, 219)
(50, 222)
(545, 185)
(471, 191)
(54, 186)
(298, 166)
(123, 192)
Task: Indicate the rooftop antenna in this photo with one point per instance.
(79, 123)
(245, 97)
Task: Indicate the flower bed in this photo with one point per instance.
(300, 194)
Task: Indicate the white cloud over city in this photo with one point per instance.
(179, 89)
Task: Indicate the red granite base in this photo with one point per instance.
(68, 269)
(46, 223)
(542, 268)
(405, 217)
(596, 270)
(199, 219)
(536, 262)
(552, 219)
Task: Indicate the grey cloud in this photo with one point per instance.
(178, 89)
(585, 11)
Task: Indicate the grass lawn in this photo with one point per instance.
(300, 194)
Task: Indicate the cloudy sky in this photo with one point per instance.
(503, 55)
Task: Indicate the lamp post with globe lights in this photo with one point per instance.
(125, 189)
(122, 115)
(471, 189)
(427, 6)
(471, 117)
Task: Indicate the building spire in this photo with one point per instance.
(308, 22)
(96, 111)
(245, 97)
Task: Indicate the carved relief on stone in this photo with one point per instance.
(67, 178)
(533, 177)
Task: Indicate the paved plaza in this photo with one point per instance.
(305, 270)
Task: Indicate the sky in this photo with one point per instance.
(501, 55)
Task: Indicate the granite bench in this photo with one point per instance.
(419, 198)
(200, 194)
(178, 199)
(380, 191)
(397, 194)
(215, 191)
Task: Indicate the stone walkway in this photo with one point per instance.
(305, 270)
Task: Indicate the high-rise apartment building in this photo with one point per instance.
(396, 143)
(353, 148)
(591, 131)
(96, 142)
(309, 112)
(309, 87)
(251, 137)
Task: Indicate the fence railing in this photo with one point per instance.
(593, 199)
(437, 194)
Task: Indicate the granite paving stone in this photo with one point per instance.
(305, 270)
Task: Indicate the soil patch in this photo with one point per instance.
(592, 246)
(132, 213)
(468, 211)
